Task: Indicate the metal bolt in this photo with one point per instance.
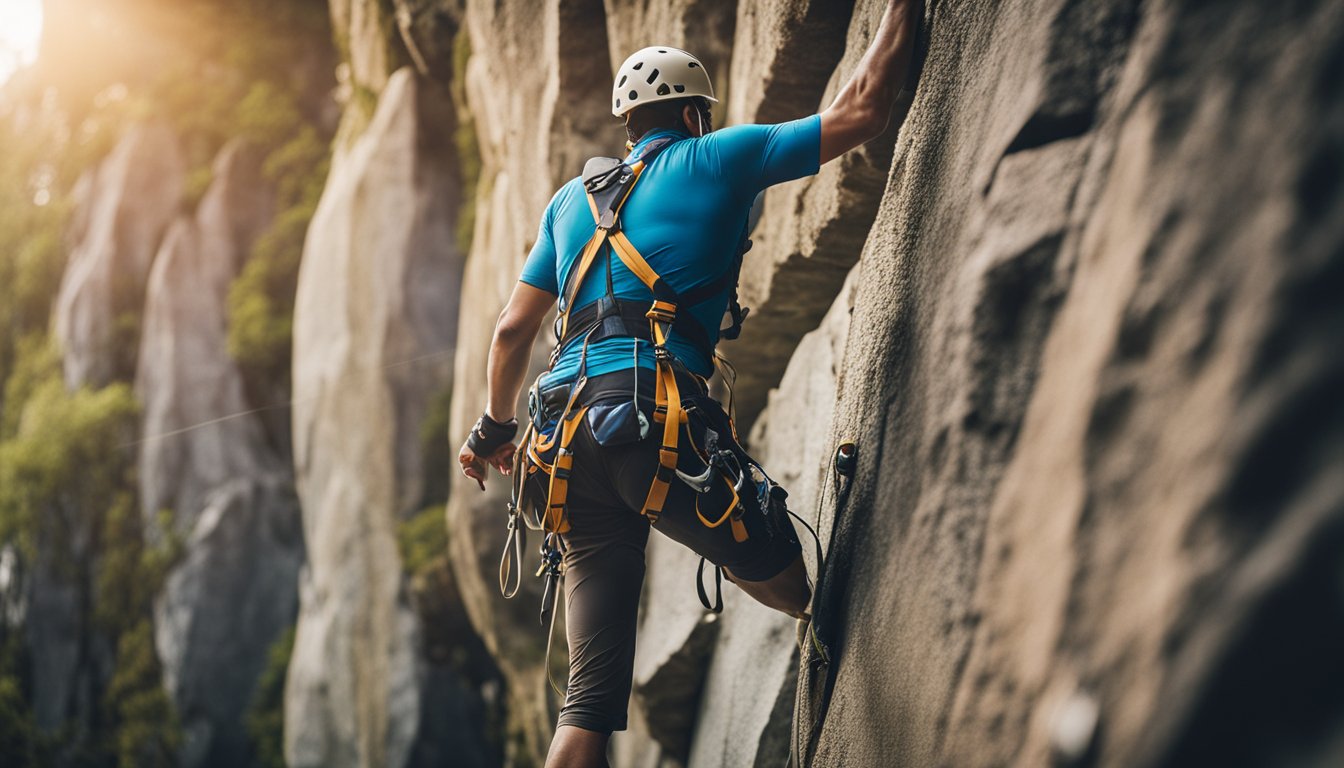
(846, 457)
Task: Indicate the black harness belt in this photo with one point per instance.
(609, 318)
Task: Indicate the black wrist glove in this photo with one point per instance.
(488, 435)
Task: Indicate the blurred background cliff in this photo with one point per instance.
(1081, 314)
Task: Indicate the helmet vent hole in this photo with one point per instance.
(623, 79)
(638, 66)
(618, 103)
(680, 88)
(634, 95)
(663, 90)
(652, 76)
(690, 64)
(661, 50)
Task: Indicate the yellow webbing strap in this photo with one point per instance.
(632, 260)
(558, 493)
(586, 260)
(668, 399)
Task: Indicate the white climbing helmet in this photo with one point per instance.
(658, 73)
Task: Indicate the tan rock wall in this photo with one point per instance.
(132, 197)
(1062, 374)
(204, 458)
(1079, 327)
(374, 334)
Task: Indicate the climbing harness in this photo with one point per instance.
(544, 462)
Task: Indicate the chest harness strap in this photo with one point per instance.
(606, 192)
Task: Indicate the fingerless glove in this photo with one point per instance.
(488, 435)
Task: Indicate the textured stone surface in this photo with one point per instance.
(810, 231)
(369, 40)
(428, 29)
(133, 196)
(185, 380)
(223, 606)
(374, 331)
(784, 53)
(205, 459)
(1087, 376)
(70, 657)
(747, 705)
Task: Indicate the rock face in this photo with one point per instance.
(1086, 373)
(1085, 350)
(374, 331)
(205, 459)
(132, 197)
(1085, 252)
(122, 209)
(811, 231)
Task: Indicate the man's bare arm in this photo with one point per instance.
(511, 347)
(862, 108)
(510, 350)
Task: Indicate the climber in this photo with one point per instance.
(642, 255)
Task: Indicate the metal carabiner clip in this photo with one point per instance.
(741, 475)
(700, 483)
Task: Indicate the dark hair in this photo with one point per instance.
(664, 114)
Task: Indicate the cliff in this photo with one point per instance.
(1077, 308)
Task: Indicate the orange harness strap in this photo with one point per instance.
(558, 493)
(668, 410)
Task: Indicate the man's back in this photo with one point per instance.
(686, 216)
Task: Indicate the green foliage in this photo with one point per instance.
(64, 460)
(147, 732)
(266, 715)
(144, 724)
(215, 69)
(267, 115)
(357, 115)
(131, 572)
(35, 269)
(19, 737)
(36, 360)
(197, 184)
(64, 469)
(261, 299)
(422, 538)
(31, 254)
(299, 168)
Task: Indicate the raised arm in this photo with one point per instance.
(862, 108)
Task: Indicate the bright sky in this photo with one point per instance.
(20, 31)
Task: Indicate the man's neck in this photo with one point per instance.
(654, 133)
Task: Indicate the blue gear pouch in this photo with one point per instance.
(617, 422)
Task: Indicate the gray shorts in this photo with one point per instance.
(604, 561)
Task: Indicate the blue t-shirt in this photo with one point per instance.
(686, 217)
